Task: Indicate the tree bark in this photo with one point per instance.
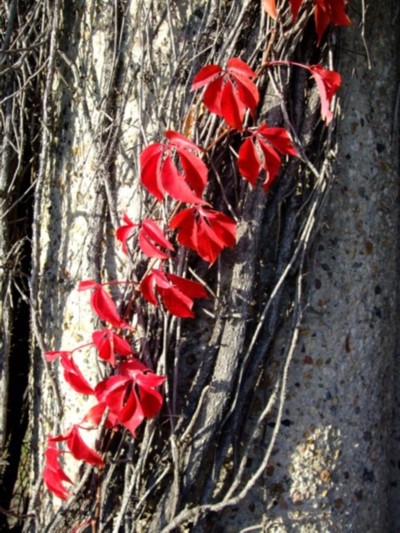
(242, 440)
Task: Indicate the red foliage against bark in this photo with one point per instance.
(230, 92)
(176, 293)
(174, 167)
(325, 12)
(151, 237)
(204, 230)
(160, 173)
(261, 151)
(131, 395)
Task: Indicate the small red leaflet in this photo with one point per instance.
(109, 343)
(73, 375)
(78, 447)
(131, 395)
(328, 83)
(270, 142)
(151, 238)
(177, 294)
(160, 174)
(230, 92)
(102, 303)
(205, 230)
(53, 474)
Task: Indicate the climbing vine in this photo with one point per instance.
(175, 172)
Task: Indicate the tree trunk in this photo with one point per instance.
(279, 394)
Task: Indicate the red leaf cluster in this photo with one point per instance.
(204, 230)
(325, 13)
(176, 293)
(160, 173)
(229, 92)
(151, 238)
(261, 151)
(131, 395)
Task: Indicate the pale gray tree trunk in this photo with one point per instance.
(279, 400)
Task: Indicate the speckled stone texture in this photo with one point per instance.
(335, 465)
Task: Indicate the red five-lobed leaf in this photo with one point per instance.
(102, 304)
(177, 293)
(204, 230)
(261, 151)
(109, 343)
(131, 395)
(160, 173)
(53, 474)
(229, 93)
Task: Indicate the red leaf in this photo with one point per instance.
(269, 141)
(104, 306)
(124, 232)
(151, 235)
(328, 83)
(205, 76)
(204, 230)
(236, 66)
(131, 396)
(232, 107)
(270, 7)
(176, 293)
(80, 450)
(212, 97)
(74, 376)
(53, 474)
(150, 174)
(109, 343)
(160, 174)
(329, 11)
(249, 162)
(230, 92)
(272, 163)
(175, 185)
(182, 142)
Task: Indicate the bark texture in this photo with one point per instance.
(279, 399)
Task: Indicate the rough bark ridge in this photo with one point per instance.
(105, 80)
